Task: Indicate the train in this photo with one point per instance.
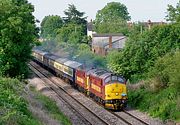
(103, 86)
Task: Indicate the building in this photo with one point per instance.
(103, 43)
(90, 29)
(149, 24)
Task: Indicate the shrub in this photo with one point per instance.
(12, 106)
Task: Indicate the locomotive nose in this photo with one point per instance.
(115, 91)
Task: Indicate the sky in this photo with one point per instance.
(139, 10)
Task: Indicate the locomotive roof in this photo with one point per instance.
(72, 64)
(101, 73)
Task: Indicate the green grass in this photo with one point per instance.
(53, 109)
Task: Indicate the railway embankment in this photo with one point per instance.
(22, 104)
(159, 95)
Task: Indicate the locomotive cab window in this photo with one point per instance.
(121, 80)
(113, 79)
(107, 80)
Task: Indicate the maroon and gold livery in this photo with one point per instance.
(103, 86)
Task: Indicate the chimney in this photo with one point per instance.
(110, 41)
(149, 24)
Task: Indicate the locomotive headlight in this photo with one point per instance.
(123, 94)
(117, 94)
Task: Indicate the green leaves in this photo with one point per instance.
(17, 36)
(173, 13)
(50, 25)
(112, 19)
(71, 29)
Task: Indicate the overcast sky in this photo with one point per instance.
(140, 10)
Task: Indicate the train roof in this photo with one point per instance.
(40, 52)
(61, 60)
(51, 56)
(101, 73)
(72, 64)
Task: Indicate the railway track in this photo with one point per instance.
(137, 118)
(105, 116)
(129, 118)
(86, 114)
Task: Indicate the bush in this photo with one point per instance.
(13, 107)
(160, 96)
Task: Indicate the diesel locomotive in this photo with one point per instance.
(103, 86)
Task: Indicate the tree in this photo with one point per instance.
(74, 16)
(71, 33)
(50, 25)
(17, 36)
(173, 13)
(113, 13)
(114, 26)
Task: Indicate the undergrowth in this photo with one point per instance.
(13, 107)
(160, 95)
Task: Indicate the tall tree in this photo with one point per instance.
(50, 25)
(75, 17)
(174, 13)
(113, 13)
(17, 36)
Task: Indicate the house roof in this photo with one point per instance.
(108, 35)
(103, 41)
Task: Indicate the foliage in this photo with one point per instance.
(74, 28)
(73, 16)
(173, 13)
(112, 18)
(113, 26)
(71, 33)
(141, 51)
(167, 70)
(163, 104)
(17, 36)
(13, 107)
(53, 109)
(160, 95)
(50, 25)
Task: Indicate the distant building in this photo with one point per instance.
(103, 43)
(149, 24)
(90, 29)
